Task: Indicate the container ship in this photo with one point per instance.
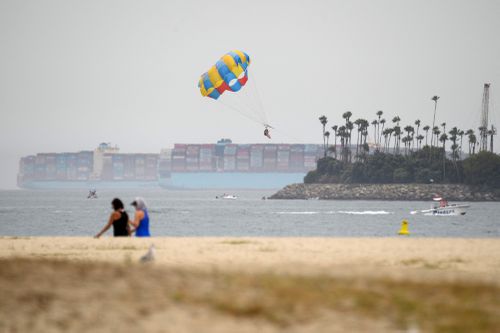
(227, 165)
(104, 167)
(222, 165)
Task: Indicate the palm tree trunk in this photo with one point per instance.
(335, 146)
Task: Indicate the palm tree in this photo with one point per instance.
(327, 136)
(388, 135)
(405, 141)
(348, 126)
(454, 137)
(396, 120)
(377, 133)
(347, 115)
(358, 122)
(491, 133)
(420, 137)
(382, 121)
(342, 132)
(397, 133)
(375, 126)
(461, 135)
(454, 132)
(436, 132)
(426, 128)
(472, 139)
(323, 120)
(443, 139)
(409, 130)
(391, 132)
(334, 128)
(435, 99)
(443, 125)
(417, 123)
(397, 138)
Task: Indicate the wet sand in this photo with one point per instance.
(246, 284)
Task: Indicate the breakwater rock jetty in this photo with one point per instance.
(414, 192)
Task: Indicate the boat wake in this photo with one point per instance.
(297, 213)
(366, 212)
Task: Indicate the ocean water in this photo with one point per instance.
(199, 213)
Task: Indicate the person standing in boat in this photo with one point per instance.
(118, 219)
(140, 223)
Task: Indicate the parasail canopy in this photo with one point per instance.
(228, 74)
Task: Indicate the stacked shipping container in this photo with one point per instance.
(85, 164)
(192, 158)
(179, 157)
(207, 157)
(310, 156)
(283, 158)
(243, 158)
(230, 157)
(26, 168)
(296, 158)
(71, 166)
(151, 167)
(165, 163)
(270, 157)
(256, 157)
(223, 157)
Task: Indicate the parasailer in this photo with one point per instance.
(266, 133)
(230, 74)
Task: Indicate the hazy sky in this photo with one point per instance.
(76, 73)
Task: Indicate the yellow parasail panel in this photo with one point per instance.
(214, 77)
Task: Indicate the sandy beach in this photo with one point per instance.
(56, 284)
(471, 258)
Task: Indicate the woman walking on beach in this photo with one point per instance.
(118, 219)
(141, 220)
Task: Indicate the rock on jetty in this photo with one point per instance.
(415, 192)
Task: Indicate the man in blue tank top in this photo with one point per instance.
(141, 220)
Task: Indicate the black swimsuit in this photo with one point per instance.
(120, 225)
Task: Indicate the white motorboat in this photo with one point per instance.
(443, 208)
(227, 197)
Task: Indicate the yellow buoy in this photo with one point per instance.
(404, 228)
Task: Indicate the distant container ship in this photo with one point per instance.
(185, 166)
(105, 167)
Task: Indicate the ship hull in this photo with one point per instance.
(230, 180)
(85, 184)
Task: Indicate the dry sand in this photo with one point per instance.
(471, 258)
(56, 284)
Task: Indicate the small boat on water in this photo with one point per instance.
(92, 194)
(443, 208)
(227, 197)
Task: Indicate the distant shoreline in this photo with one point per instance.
(396, 192)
